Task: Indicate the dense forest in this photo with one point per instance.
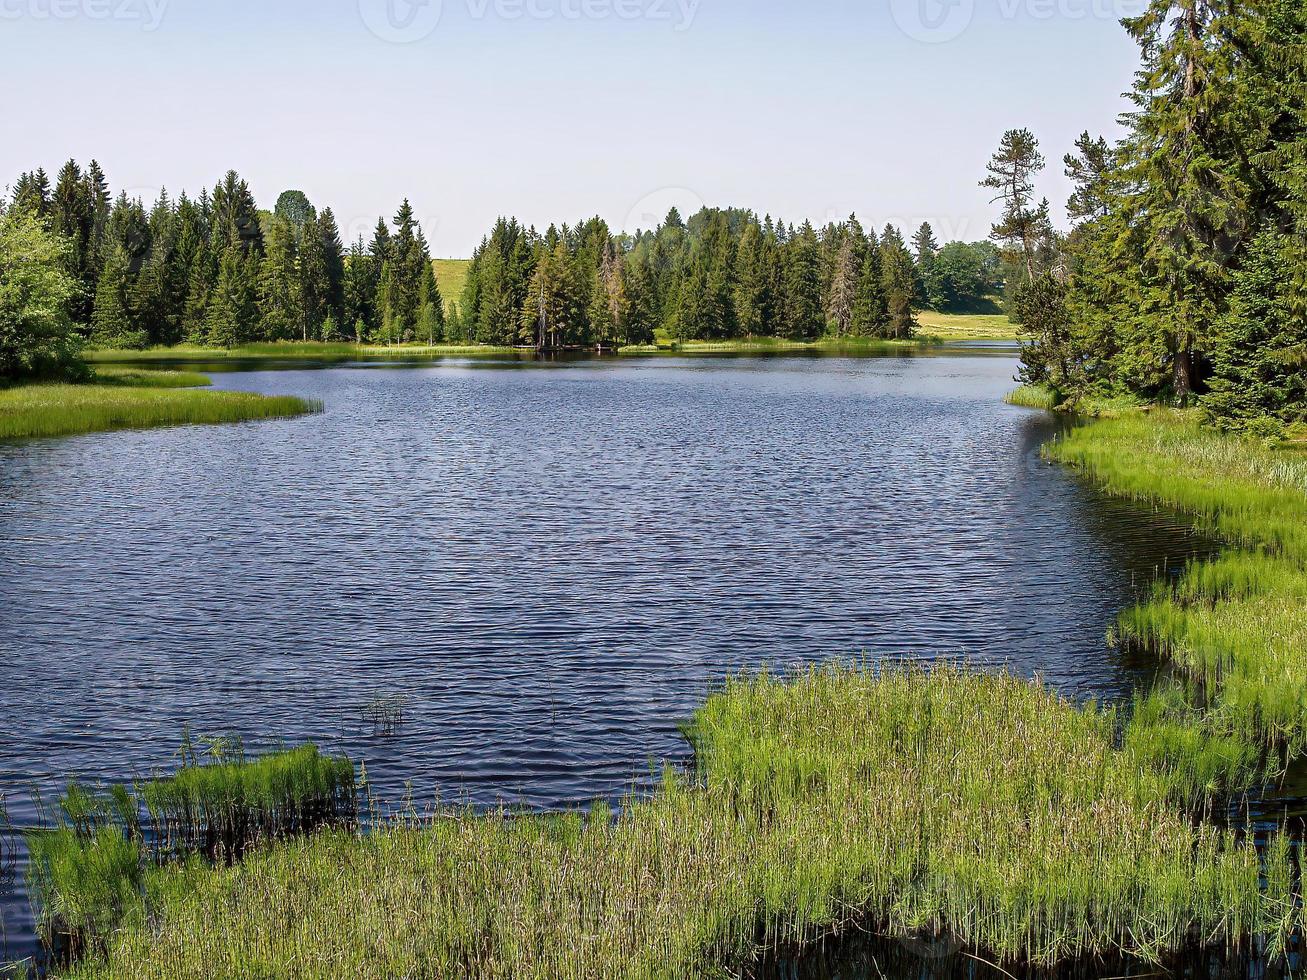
(218, 271)
(1184, 278)
(719, 274)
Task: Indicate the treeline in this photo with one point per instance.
(217, 271)
(721, 273)
(1184, 278)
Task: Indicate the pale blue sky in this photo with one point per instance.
(557, 109)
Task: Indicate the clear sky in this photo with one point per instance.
(554, 110)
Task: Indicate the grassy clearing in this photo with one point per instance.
(833, 797)
(41, 410)
(451, 276)
(966, 326)
(1238, 624)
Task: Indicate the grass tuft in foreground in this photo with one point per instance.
(915, 802)
(88, 872)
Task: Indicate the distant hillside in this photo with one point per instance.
(450, 276)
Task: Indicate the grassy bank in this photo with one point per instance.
(966, 326)
(1238, 624)
(822, 800)
(935, 328)
(131, 400)
(289, 351)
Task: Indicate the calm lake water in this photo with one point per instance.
(549, 564)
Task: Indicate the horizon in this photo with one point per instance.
(903, 105)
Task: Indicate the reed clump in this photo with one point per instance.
(44, 410)
(1034, 396)
(88, 872)
(112, 374)
(913, 802)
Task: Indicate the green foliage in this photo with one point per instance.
(37, 337)
(1259, 352)
(1187, 271)
(84, 883)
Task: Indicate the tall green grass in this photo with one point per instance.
(87, 872)
(109, 374)
(40, 410)
(911, 802)
(1237, 624)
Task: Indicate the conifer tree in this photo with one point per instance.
(843, 289)
(1012, 172)
(900, 283)
(111, 324)
(803, 309)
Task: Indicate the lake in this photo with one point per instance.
(542, 567)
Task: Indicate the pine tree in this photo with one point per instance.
(870, 310)
(802, 261)
(233, 308)
(279, 283)
(333, 257)
(1011, 174)
(843, 289)
(752, 282)
(900, 283)
(1259, 353)
(1190, 200)
(314, 283)
(111, 324)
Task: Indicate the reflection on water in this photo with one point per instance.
(549, 565)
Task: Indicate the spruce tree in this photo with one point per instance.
(804, 317)
(898, 273)
(843, 289)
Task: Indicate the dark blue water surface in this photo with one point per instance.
(549, 564)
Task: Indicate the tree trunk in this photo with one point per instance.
(1184, 372)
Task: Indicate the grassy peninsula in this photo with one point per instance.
(126, 399)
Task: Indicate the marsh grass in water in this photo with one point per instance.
(912, 802)
(1237, 625)
(41, 410)
(89, 869)
(112, 374)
